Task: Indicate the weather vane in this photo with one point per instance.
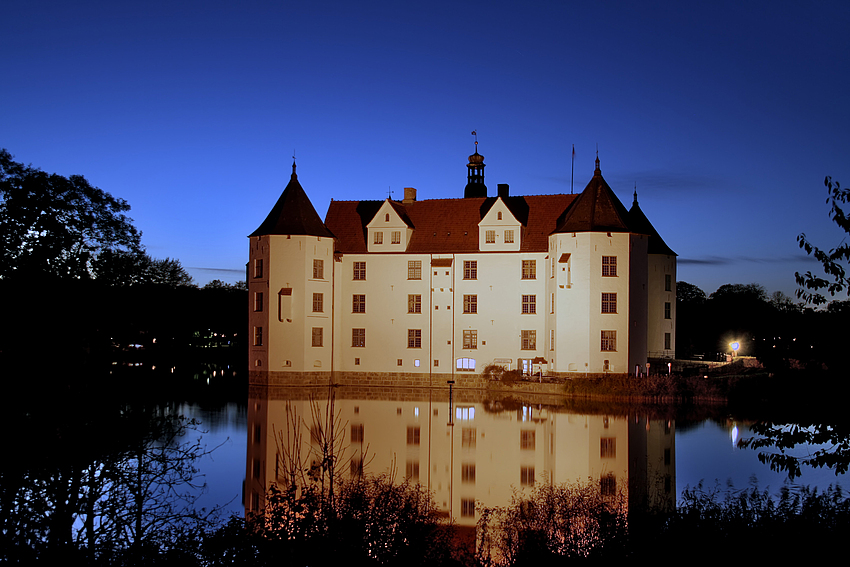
(389, 192)
(475, 133)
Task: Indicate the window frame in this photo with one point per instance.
(395, 237)
(470, 339)
(609, 266)
(414, 269)
(414, 338)
(529, 304)
(318, 269)
(609, 302)
(528, 339)
(529, 269)
(414, 303)
(317, 333)
(509, 236)
(359, 269)
(470, 269)
(608, 341)
(358, 303)
(358, 338)
(378, 237)
(318, 302)
(470, 304)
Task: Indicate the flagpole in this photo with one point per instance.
(572, 167)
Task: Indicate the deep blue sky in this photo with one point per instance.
(727, 115)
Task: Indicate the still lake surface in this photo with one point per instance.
(475, 446)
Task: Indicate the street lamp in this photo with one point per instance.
(735, 346)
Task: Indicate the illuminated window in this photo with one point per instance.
(379, 237)
(359, 270)
(414, 269)
(317, 336)
(466, 364)
(318, 269)
(609, 340)
(470, 304)
(465, 413)
(509, 236)
(358, 303)
(470, 339)
(414, 303)
(529, 304)
(396, 237)
(358, 337)
(529, 340)
(609, 303)
(470, 269)
(609, 266)
(529, 269)
(318, 302)
(414, 338)
(489, 236)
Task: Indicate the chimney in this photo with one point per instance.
(503, 190)
(409, 195)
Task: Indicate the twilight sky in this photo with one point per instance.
(726, 115)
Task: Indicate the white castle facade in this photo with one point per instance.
(431, 290)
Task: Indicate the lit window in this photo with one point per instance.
(470, 339)
(490, 236)
(509, 236)
(358, 337)
(318, 269)
(414, 269)
(318, 302)
(470, 269)
(529, 340)
(358, 303)
(466, 364)
(317, 336)
(609, 266)
(609, 302)
(396, 237)
(527, 440)
(666, 309)
(465, 413)
(359, 270)
(379, 237)
(414, 304)
(258, 301)
(529, 304)
(470, 304)
(414, 338)
(609, 340)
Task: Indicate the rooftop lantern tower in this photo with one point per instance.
(475, 174)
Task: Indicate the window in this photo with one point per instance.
(529, 269)
(413, 435)
(356, 432)
(551, 339)
(467, 507)
(609, 266)
(529, 340)
(609, 302)
(467, 472)
(468, 437)
(529, 304)
(470, 339)
(358, 303)
(527, 440)
(379, 237)
(318, 269)
(414, 338)
(359, 270)
(317, 336)
(414, 269)
(470, 269)
(318, 302)
(608, 448)
(666, 309)
(526, 476)
(414, 303)
(466, 364)
(499, 215)
(358, 337)
(396, 237)
(609, 340)
(258, 268)
(470, 304)
(490, 236)
(608, 485)
(509, 236)
(258, 301)
(667, 341)
(399, 362)
(552, 304)
(258, 336)
(668, 282)
(412, 470)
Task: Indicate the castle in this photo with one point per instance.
(419, 292)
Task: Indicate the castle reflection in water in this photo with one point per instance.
(466, 446)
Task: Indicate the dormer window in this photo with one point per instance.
(379, 238)
(490, 236)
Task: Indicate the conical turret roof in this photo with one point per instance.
(596, 209)
(293, 214)
(640, 223)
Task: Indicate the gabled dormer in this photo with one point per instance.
(390, 229)
(499, 230)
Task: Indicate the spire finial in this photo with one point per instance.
(293, 165)
(475, 133)
(598, 171)
(635, 193)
